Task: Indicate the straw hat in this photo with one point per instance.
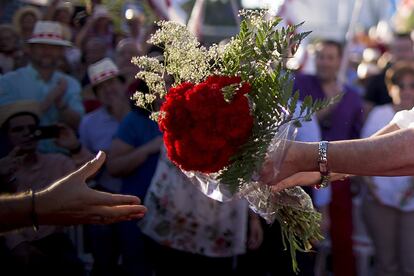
(102, 70)
(49, 32)
(23, 11)
(8, 110)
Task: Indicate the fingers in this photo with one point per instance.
(105, 214)
(288, 182)
(255, 239)
(285, 183)
(107, 199)
(91, 167)
(302, 179)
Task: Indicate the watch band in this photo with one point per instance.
(323, 165)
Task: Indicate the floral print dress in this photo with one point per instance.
(183, 218)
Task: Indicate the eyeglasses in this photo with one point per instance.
(404, 86)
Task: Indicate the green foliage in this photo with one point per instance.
(298, 230)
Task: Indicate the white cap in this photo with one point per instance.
(102, 70)
(49, 32)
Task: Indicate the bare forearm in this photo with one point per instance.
(388, 155)
(14, 212)
(126, 164)
(82, 35)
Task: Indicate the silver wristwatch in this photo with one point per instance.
(323, 165)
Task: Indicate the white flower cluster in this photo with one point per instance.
(139, 99)
(142, 100)
(256, 18)
(155, 116)
(148, 64)
(185, 59)
(154, 81)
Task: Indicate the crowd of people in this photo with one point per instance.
(65, 88)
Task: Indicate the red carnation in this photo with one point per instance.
(201, 130)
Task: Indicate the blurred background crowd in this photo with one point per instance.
(66, 80)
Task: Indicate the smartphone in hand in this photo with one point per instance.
(46, 132)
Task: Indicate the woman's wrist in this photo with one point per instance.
(33, 213)
(17, 210)
(312, 155)
(304, 156)
(43, 206)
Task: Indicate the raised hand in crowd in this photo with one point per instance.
(55, 97)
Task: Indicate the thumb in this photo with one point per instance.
(91, 167)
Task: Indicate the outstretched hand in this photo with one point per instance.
(303, 179)
(70, 201)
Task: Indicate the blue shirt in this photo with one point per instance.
(26, 84)
(96, 131)
(136, 129)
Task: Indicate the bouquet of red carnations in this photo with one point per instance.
(232, 107)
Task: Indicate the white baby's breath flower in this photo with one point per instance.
(156, 116)
(148, 64)
(139, 99)
(185, 60)
(154, 81)
(150, 98)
